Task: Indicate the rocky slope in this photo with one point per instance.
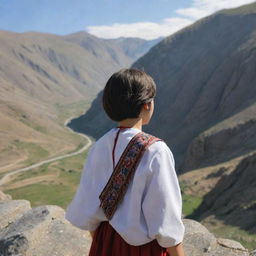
(44, 231)
(205, 76)
(47, 78)
(233, 197)
(121, 51)
(219, 144)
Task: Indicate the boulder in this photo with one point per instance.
(12, 210)
(43, 231)
(198, 241)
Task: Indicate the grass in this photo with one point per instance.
(42, 170)
(44, 194)
(61, 191)
(34, 151)
(190, 203)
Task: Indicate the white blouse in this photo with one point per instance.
(152, 206)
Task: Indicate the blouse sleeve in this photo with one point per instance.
(162, 203)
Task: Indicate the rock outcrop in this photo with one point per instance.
(233, 197)
(11, 210)
(39, 231)
(44, 231)
(198, 241)
(221, 143)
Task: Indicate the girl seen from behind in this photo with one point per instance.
(129, 196)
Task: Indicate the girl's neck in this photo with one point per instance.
(131, 122)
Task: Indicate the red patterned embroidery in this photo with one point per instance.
(117, 185)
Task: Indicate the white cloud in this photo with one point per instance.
(194, 13)
(151, 30)
(146, 30)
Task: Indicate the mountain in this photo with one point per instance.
(122, 51)
(205, 110)
(46, 79)
(205, 76)
(133, 47)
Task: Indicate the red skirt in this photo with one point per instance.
(107, 242)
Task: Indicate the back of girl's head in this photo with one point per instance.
(125, 93)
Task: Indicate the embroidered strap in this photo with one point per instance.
(117, 185)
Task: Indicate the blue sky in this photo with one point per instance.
(107, 18)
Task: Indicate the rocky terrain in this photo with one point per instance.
(43, 230)
(233, 197)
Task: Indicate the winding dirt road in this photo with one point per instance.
(7, 177)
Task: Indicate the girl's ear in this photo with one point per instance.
(146, 106)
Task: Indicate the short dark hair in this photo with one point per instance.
(125, 93)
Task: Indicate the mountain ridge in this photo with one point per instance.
(46, 78)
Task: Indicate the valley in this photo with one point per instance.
(204, 110)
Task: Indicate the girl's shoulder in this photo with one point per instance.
(158, 144)
(159, 149)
